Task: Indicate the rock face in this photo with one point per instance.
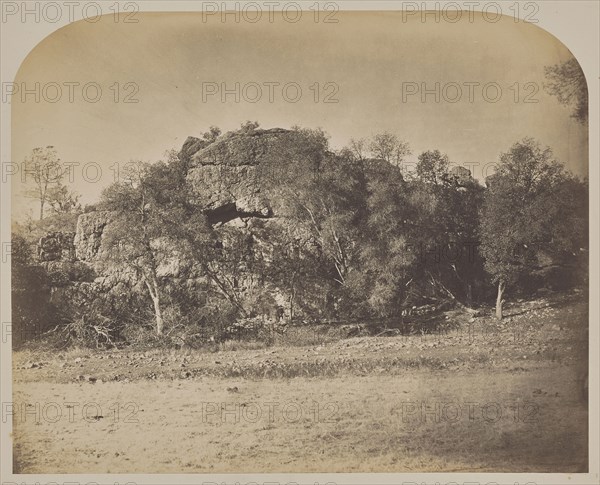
(227, 176)
(88, 238)
(56, 246)
(227, 181)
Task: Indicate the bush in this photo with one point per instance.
(32, 311)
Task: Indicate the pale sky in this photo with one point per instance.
(372, 58)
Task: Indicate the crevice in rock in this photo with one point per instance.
(228, 212)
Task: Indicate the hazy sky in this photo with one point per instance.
(372, 59)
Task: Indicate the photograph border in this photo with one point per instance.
(574, 23)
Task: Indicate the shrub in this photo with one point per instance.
(30, 284)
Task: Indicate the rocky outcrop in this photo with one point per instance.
(56, 246)
(231, 180)
(227, 176)
(461, 175)
(227, 181)
(88, 238)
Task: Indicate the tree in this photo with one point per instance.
(293, 264)
(567, 82)
(32, 311)
(319, 190)
(432, 167)
(446, 224)
(387, 146)
(417, 238)
(518, 218)
(358, 149)
(138, 234)
(62, 200)
(386, 258)
(44, 172)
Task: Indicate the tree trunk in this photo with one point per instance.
(158, 314)
(292, 295)
(153, 290)
(499, 300)
(41, 209)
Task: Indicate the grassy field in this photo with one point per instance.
(485, 397)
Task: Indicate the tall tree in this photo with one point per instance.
(43, 172)
(432, 167)
(386, 256)
(358, 148)
(323, 192)
(446, 223)
(142, 233)
(518, 218)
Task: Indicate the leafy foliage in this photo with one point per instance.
(524, 201)
(567, 82)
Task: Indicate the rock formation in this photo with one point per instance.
(88, 237)
(227, 176)
(227, 181)
(56, 246)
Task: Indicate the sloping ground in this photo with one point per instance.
(508, 399)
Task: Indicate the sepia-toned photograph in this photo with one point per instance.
(298, 239)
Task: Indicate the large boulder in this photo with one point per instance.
(227, 177)
(231, 180)
(461, 175)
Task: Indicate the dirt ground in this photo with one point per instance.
(486, 397)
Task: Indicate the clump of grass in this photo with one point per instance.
(320, 367)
